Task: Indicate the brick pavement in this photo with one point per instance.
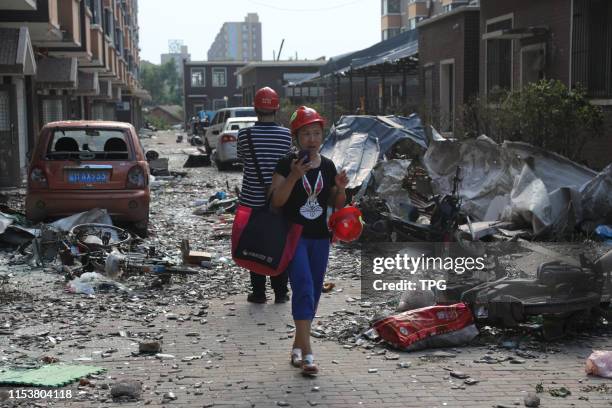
(246, 365)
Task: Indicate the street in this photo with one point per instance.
(219, 350)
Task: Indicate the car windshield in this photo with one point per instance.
(242, 113)
(237, 125)
(88, 144)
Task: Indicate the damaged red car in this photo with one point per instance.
(80, 165)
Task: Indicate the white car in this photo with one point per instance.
(218, 124)
(225, 153)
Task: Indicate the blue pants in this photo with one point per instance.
(306, 273)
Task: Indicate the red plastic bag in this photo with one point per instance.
(271, 244)
(429, 327)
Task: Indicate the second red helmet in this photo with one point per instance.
(346, 224)
(266, 99)
(305, 116)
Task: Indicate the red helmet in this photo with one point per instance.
(346, 224)
(304, 116)
(266, 99)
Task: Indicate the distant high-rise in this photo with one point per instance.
(238, 41)
(177, 52)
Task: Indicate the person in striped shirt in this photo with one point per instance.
(270, 142)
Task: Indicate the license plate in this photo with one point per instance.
(88, 177)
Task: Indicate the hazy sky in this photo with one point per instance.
(313, 28)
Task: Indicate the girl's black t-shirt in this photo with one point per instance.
(307, 204)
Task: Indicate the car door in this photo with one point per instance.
(213, 131)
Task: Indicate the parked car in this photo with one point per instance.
(218, 123)
(225, 153)
(80, 165)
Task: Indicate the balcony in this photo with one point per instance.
(23, 5)
(391, 21)
(418, 9)
(42, 22)
(75, 24)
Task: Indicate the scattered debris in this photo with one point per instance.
(428, 327)
(599, 364)
(532, 400)
(51, 375)
(129, 389)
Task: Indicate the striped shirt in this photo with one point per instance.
(271, 142)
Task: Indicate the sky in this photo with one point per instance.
(312, 28)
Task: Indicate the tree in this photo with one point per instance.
(163, 83)
(545, 113)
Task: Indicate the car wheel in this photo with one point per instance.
(222, 166)
(207, 147)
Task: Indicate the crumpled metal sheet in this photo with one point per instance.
(485, 172)
(529, 202)
(357, 143)
(388, 176)
(93, 216)
(5, 221)
(515, 181)
(356, 154)
(597, 197)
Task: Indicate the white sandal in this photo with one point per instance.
(296, 357)
(308, 366)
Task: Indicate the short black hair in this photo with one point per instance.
(260, 112)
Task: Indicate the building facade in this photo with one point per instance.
(210, 85)
(449, 63)
(238, 41)
(64, 59)
(570, 40)
(277, 75)
(402, 15)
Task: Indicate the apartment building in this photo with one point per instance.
(402, 15)
(238, 41)
(64, 59)
(210, 85)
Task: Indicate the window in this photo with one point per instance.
(533, 58)
(108, 25)
(219, 104)
(447, 95)
(197, 77)
(412, 23)
(237, 125)
(289, 91)
(99, 143)
(52, 110)
(591, 44)
(197, 108)
(391, 7)
(390, 32)
(95, 6)
(219, 77)
(241, 113)
(499, 59)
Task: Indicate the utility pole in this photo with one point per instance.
(280, 50)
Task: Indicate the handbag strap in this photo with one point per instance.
(254, 157)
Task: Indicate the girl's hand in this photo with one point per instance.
(342, 179)
(299, 168)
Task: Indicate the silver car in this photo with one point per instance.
(225, 153)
